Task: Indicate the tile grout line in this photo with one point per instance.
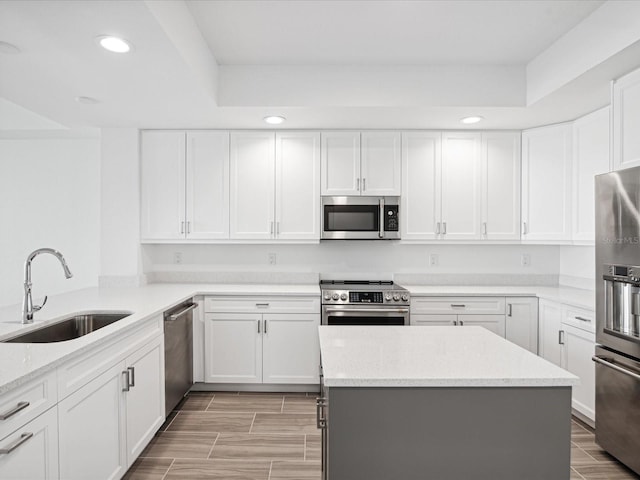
(172, 420)
(253, 421)
(304, 450)
(167, 472)
(270, 469)
(214, 444)
(577, 473)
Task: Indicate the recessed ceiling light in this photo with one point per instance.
(114, 44)
(6, 47)
(87, 100)
(473, 119)
(274, 119)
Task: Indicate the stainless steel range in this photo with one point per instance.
(358, 302)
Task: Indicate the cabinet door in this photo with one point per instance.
(207, 172)
(340, 164)
(521, 325)
(162, 185)
(233, 348)
(381, 163)
(92, 429)
(298, 186)
(546, 184)
(252, 185)
(493, 323)
(501, 185)
(37, 457)
(577, 352)
(461, 201)
(549, 320)
(420, 209)
(590, 158)
(626, 121)
(291, 350)
(145, 397)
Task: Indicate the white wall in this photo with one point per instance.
(357, 258)
(49, 197)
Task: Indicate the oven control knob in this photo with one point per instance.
(387, 297)
(396, 297)
(327, 296)
(405, 297)
(343, 296)
(335, 296)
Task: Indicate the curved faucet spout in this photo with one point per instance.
(28, 308)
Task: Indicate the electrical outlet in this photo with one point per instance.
(433, 259)
(272, 258)
(177, 257)
(525, 260)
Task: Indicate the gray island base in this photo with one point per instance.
(510, 433)
(440, 403)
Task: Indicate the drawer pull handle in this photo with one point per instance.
(582, 319)
(458, 305)
(608, 363)
(14, 410)
(23, 438)
(132, 376)
(262, 305)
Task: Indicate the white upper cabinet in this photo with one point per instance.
(420, 208)
(380, 164)
(591, 157)
(546, 184)
(252, 185)
(184, 185)
(501, 185)
(297, 186)
(207, 173)
(162, 185)
(352, 168)
(461, 185)
(626, 121)
(275, 186)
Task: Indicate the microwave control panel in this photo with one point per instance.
(391, 218)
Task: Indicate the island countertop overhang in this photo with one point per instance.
(437, 356)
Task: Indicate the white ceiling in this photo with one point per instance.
(323, 64)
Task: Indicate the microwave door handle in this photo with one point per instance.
(381, 210)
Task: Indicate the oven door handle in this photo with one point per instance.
(367, 310)
(606, 363)
(381, 214)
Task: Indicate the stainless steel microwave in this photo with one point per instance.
(360, 218)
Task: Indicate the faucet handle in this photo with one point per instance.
(38, 307)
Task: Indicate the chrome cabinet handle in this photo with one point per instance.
(132, 376)
(525, 229)
(265, 326)
(127, 382)
(444, 228)
(277, 228)
(438, 228)
(321, 420)
(188, 228)
(582, 319)
(358, 184)
(23, 438)
(484, 228)
(259, 331)
(364, 184)
(561, 337)
(271, 229)
(458, 305)
(455, 323)
(262, 305)
(461, 323)
(14, 410)
(182, 228)
(606, 363)
(510, 311)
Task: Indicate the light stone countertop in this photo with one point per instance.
(20, 363)
(438, 356)
(576, 297)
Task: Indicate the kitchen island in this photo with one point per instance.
(440, 403)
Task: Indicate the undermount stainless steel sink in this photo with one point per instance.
(69, 328)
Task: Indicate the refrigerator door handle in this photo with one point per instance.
(606, 363)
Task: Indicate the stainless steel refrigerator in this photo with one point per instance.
(618, 315)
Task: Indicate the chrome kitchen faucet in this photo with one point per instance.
(28, 308)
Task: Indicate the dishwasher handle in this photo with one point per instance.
(174, 316)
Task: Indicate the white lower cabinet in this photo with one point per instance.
(521, 325)
(254, 347)
(106, 423)
(31, 452)
(550, 325)
(494, 323)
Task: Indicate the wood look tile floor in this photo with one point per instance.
(256, 436)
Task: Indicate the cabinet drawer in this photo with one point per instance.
(78, 372)
(262, 304)
(27, 402)
(458, 305)
(579, 318)
(430, 320)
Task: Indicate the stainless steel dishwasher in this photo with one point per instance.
(178, 353)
